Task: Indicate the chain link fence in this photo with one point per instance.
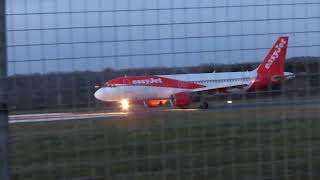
(58, 50)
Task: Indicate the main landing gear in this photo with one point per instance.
(203, 104)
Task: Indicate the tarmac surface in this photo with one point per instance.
(228, 106)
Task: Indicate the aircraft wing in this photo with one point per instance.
(223, 85)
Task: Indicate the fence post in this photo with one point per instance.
(4, 126)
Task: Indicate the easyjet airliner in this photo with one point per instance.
(180, 89)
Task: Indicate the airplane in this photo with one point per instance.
(181, 90)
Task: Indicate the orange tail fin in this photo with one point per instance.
(273, 63)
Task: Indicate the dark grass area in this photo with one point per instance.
(259, 143)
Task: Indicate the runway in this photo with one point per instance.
(32, 118)
(50, 117)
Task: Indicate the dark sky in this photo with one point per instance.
(68, 35)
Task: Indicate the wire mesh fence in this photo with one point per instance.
(59, 50)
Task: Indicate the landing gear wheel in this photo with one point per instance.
(204, 105)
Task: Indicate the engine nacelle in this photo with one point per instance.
(181, 100)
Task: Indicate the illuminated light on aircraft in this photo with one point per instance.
(125, 104)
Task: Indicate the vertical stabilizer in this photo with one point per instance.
(273, 64)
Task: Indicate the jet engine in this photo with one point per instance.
(181, 100)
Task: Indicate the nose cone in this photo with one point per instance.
(99, 94)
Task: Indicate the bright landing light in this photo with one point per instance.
(125, 104)
(229, 102)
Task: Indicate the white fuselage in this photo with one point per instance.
(141, 92)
